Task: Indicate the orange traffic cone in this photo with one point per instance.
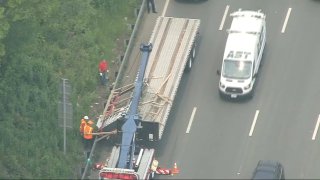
(175, 169)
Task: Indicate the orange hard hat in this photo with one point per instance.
(90, 122)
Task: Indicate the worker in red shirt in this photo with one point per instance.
(103, 70)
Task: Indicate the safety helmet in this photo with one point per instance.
(90, 122)
(86, 117)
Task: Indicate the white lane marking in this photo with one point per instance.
(224, 17)
(286, 21)
(165, 8)
(191, 119)
(254, 122)
(316, 129)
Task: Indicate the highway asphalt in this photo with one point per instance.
(285, 107)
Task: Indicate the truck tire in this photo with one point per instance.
(191, 58)
(193, 51)
(189, 64)
(251, 94)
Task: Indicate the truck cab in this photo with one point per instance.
(243, 52)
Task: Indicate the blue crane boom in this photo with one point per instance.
(130, 126)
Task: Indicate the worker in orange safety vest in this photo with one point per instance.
(83, 123)
(87, 134)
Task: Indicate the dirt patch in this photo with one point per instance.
(103, 92)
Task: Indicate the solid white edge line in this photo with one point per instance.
(254, 122)
(286, 21)
(316, 129)
(165, 8)
(224, 17)
(191, 119)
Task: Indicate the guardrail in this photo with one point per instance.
(119, 77)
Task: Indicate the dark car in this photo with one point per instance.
(267, 169)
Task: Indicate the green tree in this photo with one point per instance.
(4, 27)
(42, 41)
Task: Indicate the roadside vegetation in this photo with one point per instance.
(42, 41)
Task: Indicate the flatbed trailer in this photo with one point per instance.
(174, 43)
